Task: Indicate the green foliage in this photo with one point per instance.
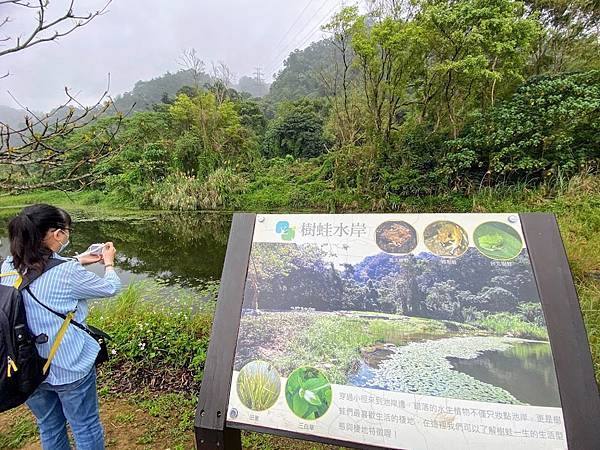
(550, 126)
(258, 385)
(300, 77)
(155, 330)
(394, 111)
(308, 393)
(22, 431)
(181, 192)
(298, 130)
(145, 94)
(513, 325)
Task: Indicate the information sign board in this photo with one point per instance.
(414, 331)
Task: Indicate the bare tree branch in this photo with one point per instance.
(46, 30)
(189, 60)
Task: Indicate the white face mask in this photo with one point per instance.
(63, 245)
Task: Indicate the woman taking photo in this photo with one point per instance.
(68, 395)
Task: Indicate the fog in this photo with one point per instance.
(142, 39)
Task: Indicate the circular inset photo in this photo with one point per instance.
(445, 238)
(258, 385)
(308, 393)
(498, 240)
(396, 237)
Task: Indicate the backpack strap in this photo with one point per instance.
(17, 282)
(23, 283)
(28, 279)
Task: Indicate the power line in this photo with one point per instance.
(295, 22)
(306, 38)
(287, 48)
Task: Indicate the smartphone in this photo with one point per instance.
(95, 249)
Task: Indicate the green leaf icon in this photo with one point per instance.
(288, 234)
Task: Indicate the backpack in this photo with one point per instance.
(22, 369)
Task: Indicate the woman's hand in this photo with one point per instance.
(86, 260)
(108, 253)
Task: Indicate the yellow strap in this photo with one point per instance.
(57, 340)
(17, 282)
(11, 366)
(8, 274)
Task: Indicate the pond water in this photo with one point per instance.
(526, 370)
(178, 249)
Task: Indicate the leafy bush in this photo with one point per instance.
(297, 131)
(532, 313)
(183, 192)
(513, 325)
(160, 336)
(550, 125)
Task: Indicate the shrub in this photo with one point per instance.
(513, 325)
(160, 336)
(182, 192)
(550, 125)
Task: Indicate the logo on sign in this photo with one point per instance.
(283, 228)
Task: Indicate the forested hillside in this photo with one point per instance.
(410, 100)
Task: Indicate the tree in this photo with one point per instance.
(298, 131)
(468, 46)
(550, 126)
(46, 29)
(190, 61)
(569, 40)
(284, 275)
(222, 139)
(35, 147)
(300, 77)
(446, 301)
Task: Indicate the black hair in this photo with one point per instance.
(27, 231)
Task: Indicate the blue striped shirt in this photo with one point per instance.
(65, 288)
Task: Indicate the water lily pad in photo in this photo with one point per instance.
(308, 393)
(497, 240)
(258, 385)
(396, 237)
(445, 238)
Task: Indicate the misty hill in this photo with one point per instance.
(12, 116)
(145, 94)
(302, 74)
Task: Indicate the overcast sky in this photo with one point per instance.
(142, 39)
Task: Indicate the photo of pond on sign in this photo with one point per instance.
(439, 318)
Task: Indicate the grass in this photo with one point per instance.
(258, 385)
(21, 431)
(511, 324)
(160, 336)
(332, 342)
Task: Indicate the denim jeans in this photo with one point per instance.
(75, 403)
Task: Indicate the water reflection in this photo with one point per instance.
(182, 249)
(526, 370)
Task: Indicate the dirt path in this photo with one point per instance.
(147, 424)
(126, 425)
